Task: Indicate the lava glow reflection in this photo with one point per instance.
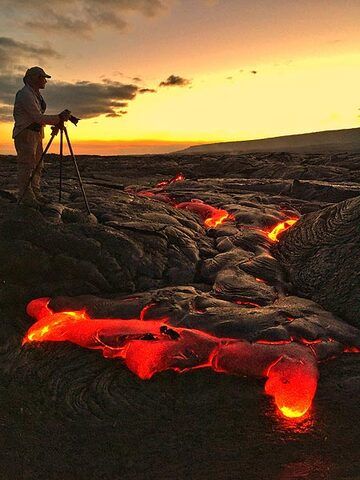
(148, 346)
(290, 413)
(281, 227)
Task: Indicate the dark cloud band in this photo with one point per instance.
(84, 99)
(22, 52)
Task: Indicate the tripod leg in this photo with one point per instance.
(53, 135)
(77, 171)
(61, 163)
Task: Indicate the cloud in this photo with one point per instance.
(113, 114)
(56, 23)
(174, 81)
(147, 90)
(9, 84)
(89, 99)
(6, 113)
(15, 58)
(84, 99)
(78, 17)
(14, 54)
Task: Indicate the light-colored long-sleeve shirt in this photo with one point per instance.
(28, 110)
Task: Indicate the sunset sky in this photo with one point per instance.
(158, 75)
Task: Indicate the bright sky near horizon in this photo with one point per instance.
(157, 75)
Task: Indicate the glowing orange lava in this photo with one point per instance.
(158, 191)
(281, 227)
(211, 216)
(217, 219)
(148, 346)
(294, 389)
(179, 177)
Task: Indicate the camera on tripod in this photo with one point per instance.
(74, 120)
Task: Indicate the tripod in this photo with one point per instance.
(60, 127)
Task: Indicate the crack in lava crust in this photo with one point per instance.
(151, 346)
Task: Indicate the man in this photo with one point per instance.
(28, 133)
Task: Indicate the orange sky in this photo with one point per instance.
(251, 69)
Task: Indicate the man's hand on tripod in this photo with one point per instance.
(64, 115)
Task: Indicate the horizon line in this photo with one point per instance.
(153, 145)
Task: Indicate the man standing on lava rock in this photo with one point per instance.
(28, 133)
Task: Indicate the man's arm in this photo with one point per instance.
(29, 104)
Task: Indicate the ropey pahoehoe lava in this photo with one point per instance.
(149, 343)
(151, 346)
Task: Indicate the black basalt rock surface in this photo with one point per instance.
(116, 256)
(66, 412)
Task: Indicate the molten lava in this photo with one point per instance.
(148, 346)
(218, 218)
(211, 216)
(179, 177)
(158, 191)
(281, 227)
(293, 389)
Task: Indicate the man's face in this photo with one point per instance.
(41, 81)
(37, 81)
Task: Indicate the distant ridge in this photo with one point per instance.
(346, 140)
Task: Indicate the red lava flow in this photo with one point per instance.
(211, 216)
(151, 346)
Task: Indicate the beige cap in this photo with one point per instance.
(36, 71)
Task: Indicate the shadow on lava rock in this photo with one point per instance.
(68, 412)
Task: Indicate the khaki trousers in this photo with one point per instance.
(29, 149)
